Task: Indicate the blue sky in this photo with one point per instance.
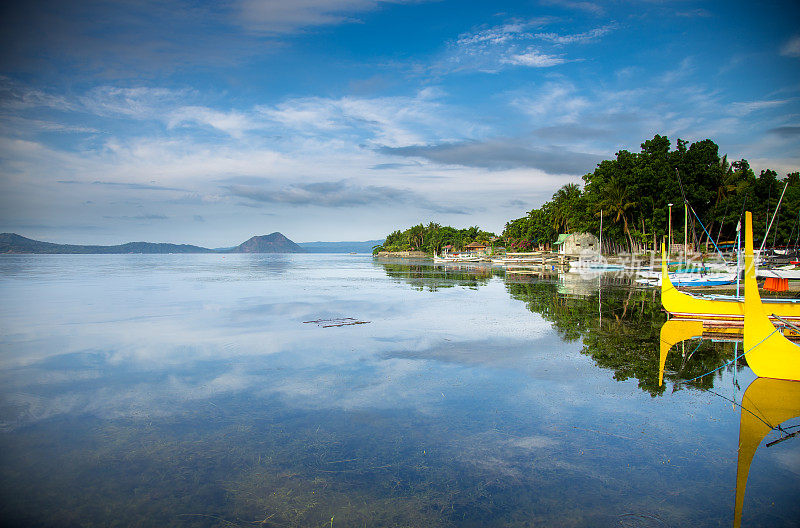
(207, 123)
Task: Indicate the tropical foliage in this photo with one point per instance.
(433, 237)
(621, 340)
(633, 192)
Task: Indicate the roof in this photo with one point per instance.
(562, 238)
(475, 245)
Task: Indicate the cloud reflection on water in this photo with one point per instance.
(455, 393)
(164, 339)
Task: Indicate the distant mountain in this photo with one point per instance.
(272, 243)
(14, 243)
(340, 247)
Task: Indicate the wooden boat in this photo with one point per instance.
(766, 401)
(768, 352)
(593, 265)
(695, 306)
(693, 280)
(783, 272)
(455, 257)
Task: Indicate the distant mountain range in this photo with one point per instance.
(272, 243)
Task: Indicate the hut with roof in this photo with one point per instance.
(477, 247)
(576, 244)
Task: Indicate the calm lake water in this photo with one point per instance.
(192, 390)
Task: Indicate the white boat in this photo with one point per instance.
(581, 265)
(688, 280)
(455, 257)
(527, 260)
(783, 272)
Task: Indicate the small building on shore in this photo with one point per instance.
(476, 247)
(575, 244)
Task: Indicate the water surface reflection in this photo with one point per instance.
(186, 391)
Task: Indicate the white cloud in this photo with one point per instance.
(579, 38)
(304, 114)
(136, 103)
(555, 103)
(684, 69)
(497, 35)
(792, 47)
(16, 97)
(233, 123)
(744, 108)
(278, 16)
(533, 58)
(384, 121)
(392, 121)
(493, 49)
(143, 102)
(20, 126)
(590, 7)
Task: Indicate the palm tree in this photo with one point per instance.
(416, 236)
(563, 201)
(616, 201)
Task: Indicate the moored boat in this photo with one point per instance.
(682, 304)
(695, 280)
(768, 352)
(596, 265)
(455, 257)
(783, 272)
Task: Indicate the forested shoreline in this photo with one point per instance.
(633, 191)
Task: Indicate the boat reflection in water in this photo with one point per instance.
(676, 331)
(767, 403)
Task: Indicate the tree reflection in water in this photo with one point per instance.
(423, 275)
(618, 322)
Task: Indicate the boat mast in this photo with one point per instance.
(773, 218)
(685, 232)
(738, 252)
(601, 232)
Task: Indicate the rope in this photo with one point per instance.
(773, 216)
(729, 362)
(743, 408)
(709, 235)
(695, 350)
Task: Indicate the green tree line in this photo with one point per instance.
(632, 192)
(433, 237)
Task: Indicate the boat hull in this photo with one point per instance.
(682, 304)
(790, 274)
(768, 352)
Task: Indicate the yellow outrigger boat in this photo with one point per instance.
(768, 352)
(707, 307)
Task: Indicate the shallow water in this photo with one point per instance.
(191, 390)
